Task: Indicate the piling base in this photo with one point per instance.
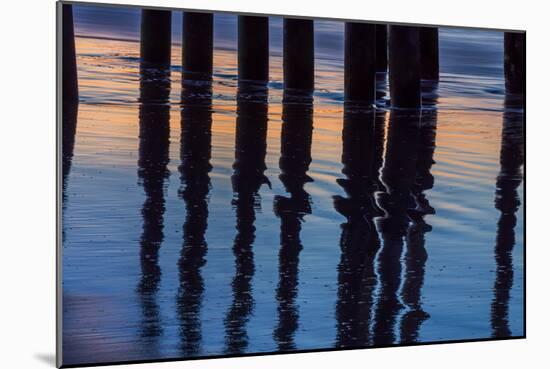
(68, 63)
(156, 36)
(429, 52)
(253, 48)
(198, 42)
(404, 66)
(514, 62)
(360, 63)
(381, 48)
(298, 58)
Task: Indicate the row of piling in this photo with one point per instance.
(409, 53)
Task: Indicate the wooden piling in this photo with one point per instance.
(198, 42)
(68, 62)
(429, 52)
(514, 62)
(298, 57)
(404, 66)
(381, 47)
(360, 63)
(253, 48)
(156, 36)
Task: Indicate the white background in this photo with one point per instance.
(27, 181)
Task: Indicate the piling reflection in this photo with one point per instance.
(68, 132)
(248, 177)
(507, 202)
(154, 135)
(195, 152)
(380, 118)
(359, 241)
(296, 137)
(397, 176)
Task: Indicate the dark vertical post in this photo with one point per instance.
(429, 52)
(404, 65)
(381, 47)
(68, 63)
(156, 36)
(514, 62)
(253, 48)
(360, 63)
(198, 42)
(298, 63)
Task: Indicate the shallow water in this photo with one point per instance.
(185, 233)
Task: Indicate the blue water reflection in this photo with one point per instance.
(221, 218)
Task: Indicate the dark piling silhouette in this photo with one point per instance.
(195, 153)
(253, 48)
(404, 66)
(154, 138)
(381, 47)
(296, 138)
(360, 63)
(507, 201)
(156, 36)
(197, 48)
(68, 52)
(359, 241)
(429, 52)
(247, 179)
(298, 56)
(398, 177)
(514, 62)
